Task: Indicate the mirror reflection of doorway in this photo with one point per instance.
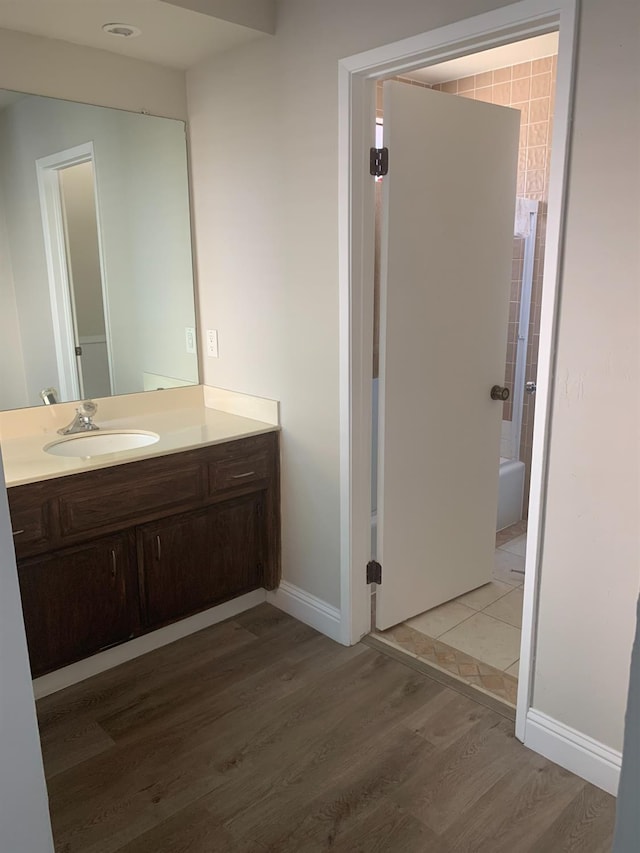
(71, 229)
(84, 275)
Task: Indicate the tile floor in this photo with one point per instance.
(476, 637)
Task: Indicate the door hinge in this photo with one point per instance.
(378, 161)
(78, 350)
(374, 572)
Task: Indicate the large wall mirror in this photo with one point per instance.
(96, 279)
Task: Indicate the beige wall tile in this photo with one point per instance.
(466, 83)
(539, 109)
(536, 158)
(523, 69)
(521, 89)
(537, 133)
(502, 75)
(540, 65)
(484, 79)
(541, 85)
(535, 182)
(522, 159)
(523, 106)
(502, 93)
(451, 87)
(485, 94)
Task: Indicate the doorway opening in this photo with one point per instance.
(476, 636)
(70, 219)
(358, 75)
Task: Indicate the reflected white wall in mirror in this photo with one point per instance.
(142, 247)
(84, 278)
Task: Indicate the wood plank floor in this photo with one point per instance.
(259, 734)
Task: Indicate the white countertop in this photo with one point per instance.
(179, 428)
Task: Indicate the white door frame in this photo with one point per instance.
(357, 76)
(60, 290)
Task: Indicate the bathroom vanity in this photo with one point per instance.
(114, 552)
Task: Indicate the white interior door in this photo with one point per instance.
(447, 234)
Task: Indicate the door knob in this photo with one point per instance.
(498, 392)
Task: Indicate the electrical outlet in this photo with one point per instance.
(212, 343)
(190, 338)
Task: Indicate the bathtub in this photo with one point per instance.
(510, 492)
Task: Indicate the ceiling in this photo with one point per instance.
(172, 35)
(178, 37)
(488, 60)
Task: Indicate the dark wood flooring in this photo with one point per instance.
(260, 734)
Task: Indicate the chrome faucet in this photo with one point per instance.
(82, 421)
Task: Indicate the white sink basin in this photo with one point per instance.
(90, 444)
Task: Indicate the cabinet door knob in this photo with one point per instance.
(498, 392)
(240, 476)
(17, 532)
(158, 547)
(114, 563)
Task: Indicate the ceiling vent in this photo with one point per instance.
(124, 31)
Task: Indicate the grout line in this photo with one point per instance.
(504, 621)
(466, 619)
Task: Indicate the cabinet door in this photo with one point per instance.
(193, 561)
(77, 601)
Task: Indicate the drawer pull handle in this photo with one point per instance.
(114, 563)
(158, 547)
(17, 532)
(240, 476)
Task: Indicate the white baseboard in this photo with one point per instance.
(307, 608)
(75, 672)
(577, 752)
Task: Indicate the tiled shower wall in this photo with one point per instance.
(529, 87)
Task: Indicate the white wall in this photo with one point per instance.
(59, 69)
(79, 203)
(155, 164)
(266, 227)
(24, 811)
(13, 388)
(591, 556)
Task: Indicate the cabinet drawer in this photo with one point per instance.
(234, 473)
(30, 519)
(119, 496)
(243, 463)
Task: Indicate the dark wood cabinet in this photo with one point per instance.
(107, 555)
(78, 601)
(201, 558)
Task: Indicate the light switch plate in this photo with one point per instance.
(190, 339)
(212, 343)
